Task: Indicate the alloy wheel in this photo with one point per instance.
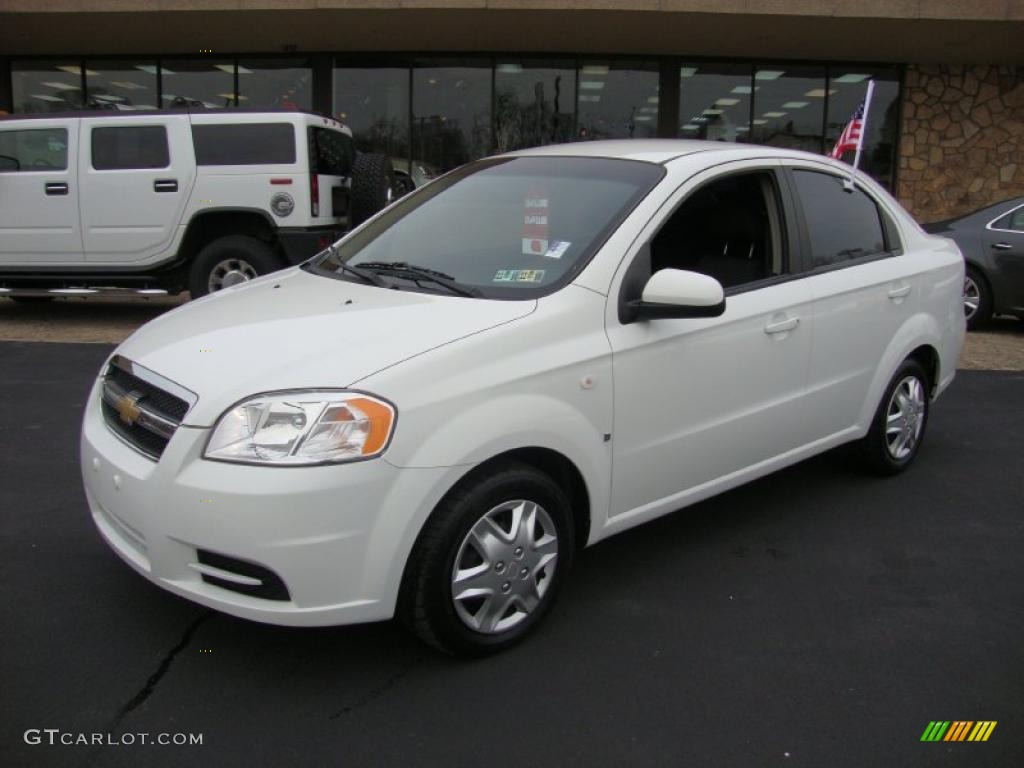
(972, 297)
(231, 272)
(905, 417)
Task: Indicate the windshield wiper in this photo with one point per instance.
(414, 272)
(366, 277)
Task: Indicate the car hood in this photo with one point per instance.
(295, 330)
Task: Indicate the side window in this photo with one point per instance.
(330, 152)
(244, 144)
(842, 225)
(730, 229)
(38, 149)
(1013, 221)
(136, 146)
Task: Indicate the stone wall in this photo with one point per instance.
(962, 139)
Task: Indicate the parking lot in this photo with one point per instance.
(815, 617)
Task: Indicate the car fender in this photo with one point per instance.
(441, 461)
(921, 329)
(552, 424)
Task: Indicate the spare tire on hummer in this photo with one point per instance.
(372, 185)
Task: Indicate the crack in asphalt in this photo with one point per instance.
(165, 664)
(378, 690)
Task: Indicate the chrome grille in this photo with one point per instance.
(141, 407)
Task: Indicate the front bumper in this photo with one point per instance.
(337, 536)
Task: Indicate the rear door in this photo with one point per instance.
(863, 286)
(136, 175)
(39, 221)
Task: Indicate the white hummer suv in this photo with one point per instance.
(167, 201)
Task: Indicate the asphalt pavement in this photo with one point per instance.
(817, 617)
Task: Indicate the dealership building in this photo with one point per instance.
(435, 83)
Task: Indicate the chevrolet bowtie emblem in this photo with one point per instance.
(128, 409)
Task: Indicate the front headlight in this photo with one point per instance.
(307, 427)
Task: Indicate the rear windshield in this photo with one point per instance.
(506, 228)
(244, 144)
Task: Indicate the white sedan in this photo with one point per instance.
(526, 356)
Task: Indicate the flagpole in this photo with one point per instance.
(863, 128)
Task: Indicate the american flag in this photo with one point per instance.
(850, 138)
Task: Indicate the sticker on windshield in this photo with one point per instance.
(519, 276)
(535, 222)
(557, 249)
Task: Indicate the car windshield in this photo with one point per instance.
(506, 228)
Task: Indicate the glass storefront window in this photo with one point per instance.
(46, 86)
(789, 107)
(197, 83)
(451, 113)
(120, 85)
(275, 84)
(714, 101)
(374, 103)
(533, 103)
(848, 86)
(617, 100)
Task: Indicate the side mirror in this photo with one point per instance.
(673, 293)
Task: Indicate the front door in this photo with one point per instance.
(700, 400)
(39, 221)
(1004, 239)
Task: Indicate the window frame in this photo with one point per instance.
(639, 270)
(991, 226)
(890, 232)
(92, 147)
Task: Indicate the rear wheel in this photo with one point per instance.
(977, 299)
(489, 562)
(899, 424)
(372, 185)
(229, 261)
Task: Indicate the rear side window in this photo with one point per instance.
(38, 149)
(330, 152)
(842, 225)
(136, 146)
(244, 144)
(1013, 221)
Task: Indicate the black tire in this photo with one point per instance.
(983, 313)
(426, 604)
(31, 299)
(876, 450)
(372, 185)
(248, 251)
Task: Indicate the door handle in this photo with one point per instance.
(165, 185)
(782, 326)
(1002, 246)
(900, 292)
(56, 187)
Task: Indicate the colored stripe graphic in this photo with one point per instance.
(982, 730)
(958, 730)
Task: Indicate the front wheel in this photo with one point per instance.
(977, 299)
(898, 427)
(489, 562)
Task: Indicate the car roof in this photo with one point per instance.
(127, 113)
(657, 150)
